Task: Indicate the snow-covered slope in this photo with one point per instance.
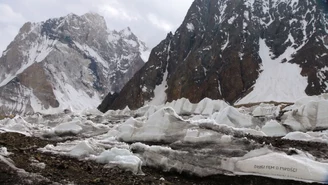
(239, 51)
(281, 82)
(67, 62)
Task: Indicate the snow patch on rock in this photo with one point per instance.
(276, 78)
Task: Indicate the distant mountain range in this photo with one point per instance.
(69, 62)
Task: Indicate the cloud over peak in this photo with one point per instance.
(150, 20)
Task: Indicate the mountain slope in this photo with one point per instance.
(240, 51)
(66, 62)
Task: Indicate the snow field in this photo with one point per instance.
(276, 79)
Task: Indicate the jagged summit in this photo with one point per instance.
(240, 51)
(126, 32)
(66, 62)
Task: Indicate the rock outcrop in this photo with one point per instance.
(240, 51)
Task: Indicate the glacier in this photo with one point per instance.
(203, 139)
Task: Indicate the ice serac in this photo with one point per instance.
(239, 51)
(66, 62)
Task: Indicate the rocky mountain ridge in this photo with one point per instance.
(240, 51)
(66, 62)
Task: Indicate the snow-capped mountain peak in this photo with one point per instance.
(66, 62)
(126, 32)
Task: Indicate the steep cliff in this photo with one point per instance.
(240, 51)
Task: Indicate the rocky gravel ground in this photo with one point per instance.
(37, 168)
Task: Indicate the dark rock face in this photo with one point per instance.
(34, 77)
(107, 101)
(215, 51)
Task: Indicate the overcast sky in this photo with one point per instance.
(150, 20)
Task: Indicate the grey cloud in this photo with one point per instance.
(150, 20)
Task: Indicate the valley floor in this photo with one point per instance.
(35, 167)
(176, 143)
